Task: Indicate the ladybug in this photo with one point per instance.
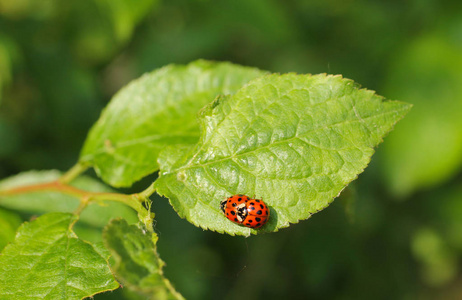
(243, 210)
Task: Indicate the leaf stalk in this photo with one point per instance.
(86, 197)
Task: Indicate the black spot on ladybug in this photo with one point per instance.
(251, 208)
(252, 203)
(250, 221)
(257, 219)
(235, 219)
(258, 201)
(233, 213)
(240, 195)
(261, 205)
(257, 225)
(239, 199)
(229, 200)
(234, 204)
(259, 212)
(248, 224)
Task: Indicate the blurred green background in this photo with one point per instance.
(395, 233)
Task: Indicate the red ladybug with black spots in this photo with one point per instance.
(243, 210)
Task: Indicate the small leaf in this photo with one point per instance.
(137, 264)
(47, 261)
(96, 214)
(294, 140)
(154, 111)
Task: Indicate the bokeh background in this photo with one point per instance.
(395, 233)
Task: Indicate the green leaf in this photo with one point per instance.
(294, 140)
(9, 222)
(137, 264)
(154, 111)
(125, 16)
(47, 261)
(426, 150)
(96, 214)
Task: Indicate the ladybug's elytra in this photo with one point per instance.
(243, 210)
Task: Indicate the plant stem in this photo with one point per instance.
(83, 204)
(148, 192)
(73, 172)
(85, 196)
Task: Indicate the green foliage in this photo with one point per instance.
(96, 214)
(137, 264)
(154, 111)
(125, 15)
(9, 222)
(427, 149)
(62, 61)
(294, 140)
(48, 261)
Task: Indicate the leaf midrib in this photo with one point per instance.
(190, 165)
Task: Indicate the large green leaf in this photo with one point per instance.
(294, 140)
(95, 214)
(47, 261)
(137, 264)
(9, 222)
(154, 111)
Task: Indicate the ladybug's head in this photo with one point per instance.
(223, 205)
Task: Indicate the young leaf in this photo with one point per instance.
(137, 264)
(46, 201)
(294, 140)
(154, 111)
(47, 261)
